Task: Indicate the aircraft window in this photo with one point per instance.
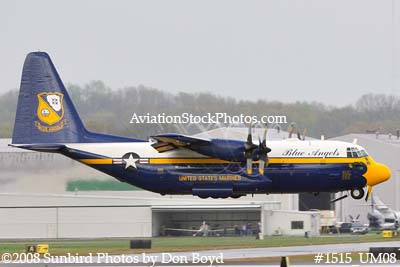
(353, 151)
(349, 155)
(363, 153)
(359, 166)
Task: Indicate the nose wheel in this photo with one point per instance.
(357, 193)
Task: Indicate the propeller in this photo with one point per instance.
(262, 155)
(249, 148)
(263, 151)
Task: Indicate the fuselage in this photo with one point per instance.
(293, 166)
(47, 121)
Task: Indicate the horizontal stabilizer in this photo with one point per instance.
(42, 147)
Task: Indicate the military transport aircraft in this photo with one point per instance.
(381, 216)
(47, 121)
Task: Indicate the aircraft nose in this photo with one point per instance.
(377, 173)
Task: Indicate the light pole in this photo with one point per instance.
(396, 188)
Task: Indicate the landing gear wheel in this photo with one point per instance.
(357, 193)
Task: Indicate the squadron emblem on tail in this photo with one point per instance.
(50, 111)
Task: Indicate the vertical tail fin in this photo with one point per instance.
(45, 113)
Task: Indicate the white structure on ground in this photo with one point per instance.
(140, 214)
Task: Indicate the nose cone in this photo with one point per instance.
(377, 173)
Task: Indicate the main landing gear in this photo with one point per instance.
(357, 193)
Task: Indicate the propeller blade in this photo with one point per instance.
(249, 138)
(261, 167)
(263, 151)
(249, 149)
(249, 163)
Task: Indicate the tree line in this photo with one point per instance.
(105, 110)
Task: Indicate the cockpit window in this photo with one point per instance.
(353, 152)
(349, 155)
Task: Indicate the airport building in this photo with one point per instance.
(143, 214)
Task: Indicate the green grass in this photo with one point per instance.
(98, 185)
(171, 244)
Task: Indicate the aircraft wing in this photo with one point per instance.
(225, 149)
(167, 142)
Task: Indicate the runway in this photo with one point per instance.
(165, 259)
(287, 251)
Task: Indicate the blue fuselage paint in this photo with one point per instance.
(278, 178)
(190, 178)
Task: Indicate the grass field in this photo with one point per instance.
(169, 244)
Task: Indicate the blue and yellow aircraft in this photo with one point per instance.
(47, 121)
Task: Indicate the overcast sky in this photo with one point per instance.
(321, 50)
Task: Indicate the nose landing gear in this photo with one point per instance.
(357, 193)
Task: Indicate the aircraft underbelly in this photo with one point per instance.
(314, 178)
(222, 182)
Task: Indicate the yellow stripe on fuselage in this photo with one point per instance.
(187, 161)
(220, 161)
(96, 161)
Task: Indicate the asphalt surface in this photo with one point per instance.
(288, 251)
(185, 258)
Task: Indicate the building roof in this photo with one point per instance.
(206, 207)
(131, 199)
(381, 138)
